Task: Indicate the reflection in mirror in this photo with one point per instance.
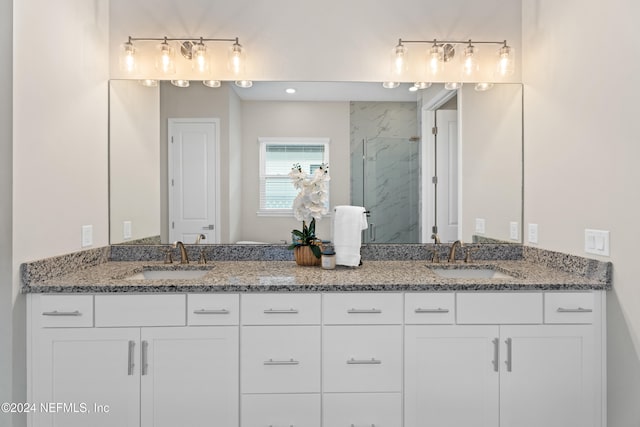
(465, 180)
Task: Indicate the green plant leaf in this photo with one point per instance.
(316, 251)
(312, 228)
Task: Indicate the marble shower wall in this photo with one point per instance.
(387, 181)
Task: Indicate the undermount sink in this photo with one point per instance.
(470, 273)
(161, 274)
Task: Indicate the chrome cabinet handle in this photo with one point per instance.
(496, 354)
(432, 310)
(132, 345)
(61, 313)
(281, 362)
(372, 361)
(364, 311)
(372, 425)
(145, 364)
(281, 311)
(205, 311)
(508, 362)
(574, 310)
(272, 425)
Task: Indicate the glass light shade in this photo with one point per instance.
(469, 61)
(390, 85)
(180, 83)
(128, 62)
(452, 85)
(200, 58)
(422, 85)
(236, 61)
(165, 59)
(244, 83)
(149, 83)
(481, 87)
(399, 60)
(211, 83)
(505, 65)
(435, 60)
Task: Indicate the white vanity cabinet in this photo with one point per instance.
(529, 371)
(137, 371)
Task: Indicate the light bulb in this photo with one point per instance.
(128, 62)
(236, 58)
(435, 60)
(165, 60)
(505, 65)
(399, 63)
(469, 60)
(200, 59)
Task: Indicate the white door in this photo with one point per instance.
(192, 179)
(92, 370)
(190, 377)
(446, 156)
(451, 377)
(548, 380)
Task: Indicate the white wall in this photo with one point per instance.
(291, 119)
(6, 291)
(134, 160)
(581, 93)
(59, 140)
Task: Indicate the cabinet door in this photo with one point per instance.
(87, 377)
(189, 377)
(547, 376)
(451, 376)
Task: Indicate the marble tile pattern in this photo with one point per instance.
(535, 273)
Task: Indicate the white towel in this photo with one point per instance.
(348, 223)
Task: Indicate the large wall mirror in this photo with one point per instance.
(463, 180)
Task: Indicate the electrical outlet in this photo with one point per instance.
(126, 230)
(87, 235)
(596, 242)
(480, 225)
(513, 230)
(533, 233)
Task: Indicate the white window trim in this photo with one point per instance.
(263, 141)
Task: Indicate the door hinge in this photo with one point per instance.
(434, 130)
(434, 180)
(434, 229)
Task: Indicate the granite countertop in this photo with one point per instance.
(286, 276)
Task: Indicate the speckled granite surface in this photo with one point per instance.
(530, 269)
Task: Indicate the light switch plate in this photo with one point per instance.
(87, 235)
(480, 225)
(596, 242)
(513, 230)
(533, 233)
(126, 230)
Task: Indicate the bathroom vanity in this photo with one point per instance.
(250, 343)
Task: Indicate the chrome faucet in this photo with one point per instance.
(452, 251)
(184, 259)
(200, 237)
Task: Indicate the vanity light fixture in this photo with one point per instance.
(192, 49)
(442, 52)
(481, 87)
(421, 85)
(390, 85)
(245, 84)
(180, 83)
(452, 85)
(212, 83)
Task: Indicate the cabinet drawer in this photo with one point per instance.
(362, 409)
(213, 309)
(568, 307)
(363, 308)
(281, 309)
(496, 308)
(281, 410)
(60, 311)
(280, 359)
(362, 358)
(429, 308)
(140, 310)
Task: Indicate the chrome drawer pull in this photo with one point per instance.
(574, 310)
(205, 311)
(372, 361)
(132, 345)
(508, 362)
(281, 311)
(145, 364)
(432, 310)
(364, 311)
(372, 425)
(496, 354)
(61, 313)
(281, 362)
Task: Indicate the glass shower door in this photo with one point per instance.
(391, 186)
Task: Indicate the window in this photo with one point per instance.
(277, 157)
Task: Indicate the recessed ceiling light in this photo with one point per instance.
(290, 91)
